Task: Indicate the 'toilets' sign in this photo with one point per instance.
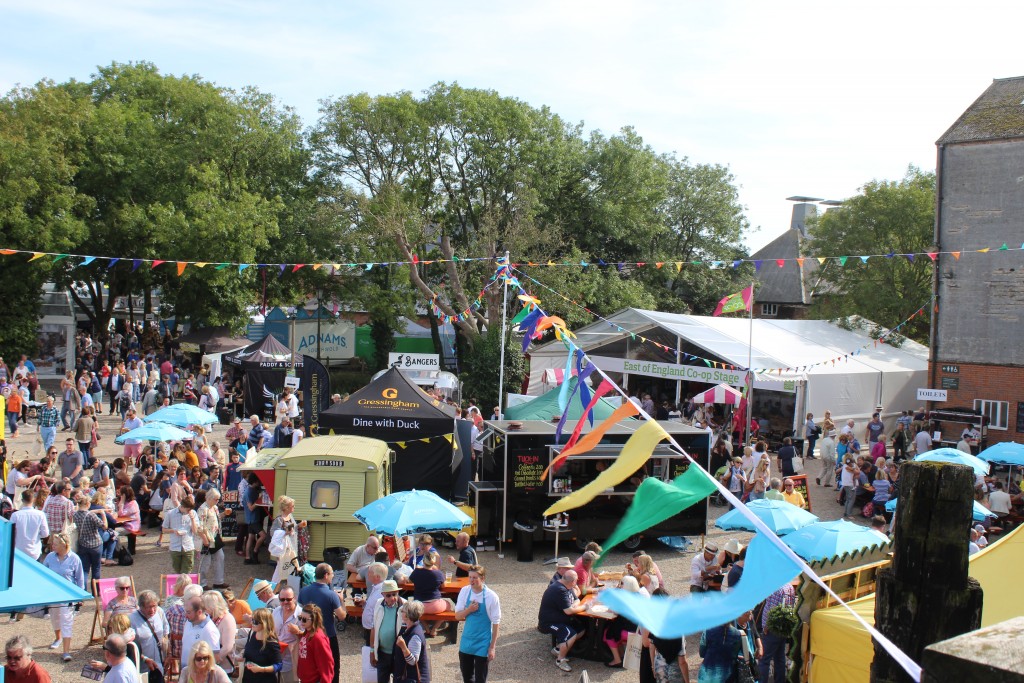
(931, 394)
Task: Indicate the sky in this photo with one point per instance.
(796, 98)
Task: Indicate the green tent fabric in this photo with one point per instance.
(545, 407)
(655, 501)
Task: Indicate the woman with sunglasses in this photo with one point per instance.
(315, 659)
(262, 650)
(201, 668)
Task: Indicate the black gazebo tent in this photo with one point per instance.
(420, 429)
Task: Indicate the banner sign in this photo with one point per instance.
(931, 394)
(337, 339)
(316, 393)
(689, 373)
(415, 361)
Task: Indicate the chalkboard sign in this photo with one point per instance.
(526, 471)
(1020, 417)
(800, 484)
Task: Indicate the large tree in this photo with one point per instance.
(178, 169)
(41, 149)
(888, 219)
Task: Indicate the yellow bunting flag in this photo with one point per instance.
(201, 264)
(821, 260)
(448, 437)
(400, 444)
(634, 454)
(36, 255)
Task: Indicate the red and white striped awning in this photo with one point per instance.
(722, 393)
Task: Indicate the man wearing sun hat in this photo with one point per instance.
(703, 567)
(387, 618)
(265, 592)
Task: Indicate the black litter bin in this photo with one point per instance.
(336, 557)
(524, 542)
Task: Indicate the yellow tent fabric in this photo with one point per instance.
(842, 650)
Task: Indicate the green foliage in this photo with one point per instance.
(886, 217)
(782, 620)
(481, 368)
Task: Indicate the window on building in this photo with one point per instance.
(997, 412)
(325, 495)
(769, 310)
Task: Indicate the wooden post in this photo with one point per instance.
(925, 596)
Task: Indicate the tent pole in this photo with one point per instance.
(504, 313)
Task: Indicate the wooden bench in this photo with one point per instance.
(451, 634)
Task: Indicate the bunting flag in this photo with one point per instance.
(655, 501)
(635, 453)
(740, 301)
(581, 388)
(181, 267)
(563, 391)
(766, 569)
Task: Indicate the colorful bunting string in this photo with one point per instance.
(111, 261)
(711, 363)
(839, 259)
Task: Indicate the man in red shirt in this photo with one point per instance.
(21, 668)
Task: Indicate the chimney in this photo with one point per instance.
(803, 209)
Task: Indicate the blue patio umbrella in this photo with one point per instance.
(822, 540)
(33, 585)
(952, 456)
(1005, 453)
(412, 512)
(157, 431)
(980, 512)
(778, 515)
(182, 415)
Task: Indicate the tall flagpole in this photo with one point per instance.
(504, 313)
(750, 371)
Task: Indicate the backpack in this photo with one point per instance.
(123, 556)
(125, 402)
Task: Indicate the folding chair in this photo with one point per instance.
(104, 590)
(167, 582)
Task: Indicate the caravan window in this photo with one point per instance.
(324, 495)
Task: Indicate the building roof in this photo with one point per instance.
(998, 114)
(791, 284)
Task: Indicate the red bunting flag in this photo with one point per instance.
(157, 263)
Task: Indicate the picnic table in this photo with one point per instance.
(450, 589)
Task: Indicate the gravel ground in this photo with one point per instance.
(522, 652)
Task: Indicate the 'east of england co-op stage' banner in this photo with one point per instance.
(688, 373)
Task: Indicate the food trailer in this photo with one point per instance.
(512, 496)
(330, 477)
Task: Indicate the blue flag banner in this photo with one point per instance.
(767, 570)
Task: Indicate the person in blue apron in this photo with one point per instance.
(479, 607)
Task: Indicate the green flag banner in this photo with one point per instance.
(655, 501)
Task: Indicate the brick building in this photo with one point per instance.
(977, 337)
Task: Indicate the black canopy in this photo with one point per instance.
(393, 409)
(267, 353)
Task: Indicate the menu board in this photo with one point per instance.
(527, 469)
(800, 484)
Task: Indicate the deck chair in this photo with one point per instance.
(167, 582)
(104, 591)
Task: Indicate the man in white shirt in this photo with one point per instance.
(703, 567)
(375, 576)
(848, 428)
(285, 615)
(293, 405)
(998, 501)
(922, 442)
(198, 626)
(122, 669)
(30, 527)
